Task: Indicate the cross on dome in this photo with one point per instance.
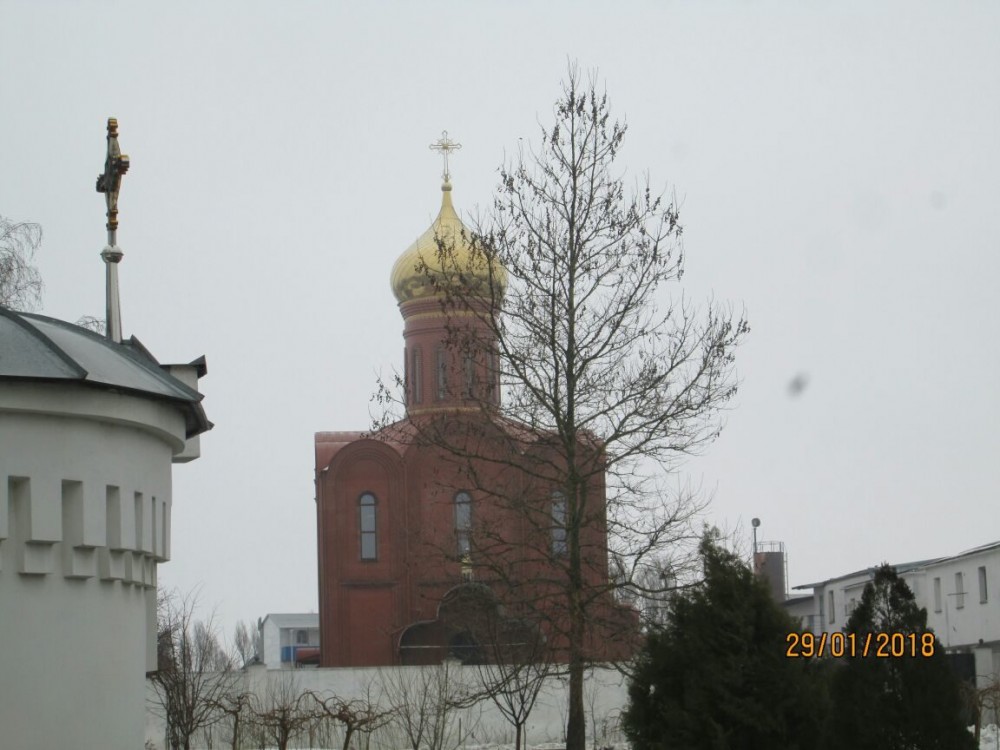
(109, 182)
(445, 145)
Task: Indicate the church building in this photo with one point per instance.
(401, 523)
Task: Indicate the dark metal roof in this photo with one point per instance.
(37, 347)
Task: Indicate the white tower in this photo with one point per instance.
(89, 427)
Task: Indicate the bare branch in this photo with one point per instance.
(20, 283)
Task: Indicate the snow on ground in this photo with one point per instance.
(989, 738)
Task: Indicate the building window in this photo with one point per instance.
(830, 609)
(937, 594)
(442, 374)
(301, 637)
(416, 375)
(470, 376)
(558, 512)
(959, 591)
(368, 526)
(463, 523)
(983, 598)
(492, 376)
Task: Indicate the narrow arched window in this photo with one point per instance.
(492, 377)
(407, 385)
(470, 376)
(558, 513)
(442, 374)
(368, 524)
(416, 376)
(463, 522)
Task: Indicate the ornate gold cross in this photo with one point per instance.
(445, 146)
(109, 183)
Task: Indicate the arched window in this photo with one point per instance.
(492, 377)
(470, 376)
(558, 513)
(368, 526)
(463, 522)
(442, 374)
(417, 374)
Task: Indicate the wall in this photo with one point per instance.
(84, 517)
(605, 696)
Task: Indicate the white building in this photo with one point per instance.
(88, 431)
(961, 594)
(285, 640)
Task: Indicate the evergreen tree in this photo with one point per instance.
(716, 677)
(907, 702)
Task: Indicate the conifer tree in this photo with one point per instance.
(900, 702)
(717, 675)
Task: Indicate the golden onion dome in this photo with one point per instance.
(441, 253)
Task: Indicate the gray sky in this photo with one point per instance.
(838, 164)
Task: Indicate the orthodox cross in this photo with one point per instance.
(109, 183)
(445, 146)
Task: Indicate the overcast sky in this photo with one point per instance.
(839, 171)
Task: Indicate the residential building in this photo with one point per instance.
(961, 594)
(286, 641)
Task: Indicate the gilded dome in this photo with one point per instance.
(441, 252)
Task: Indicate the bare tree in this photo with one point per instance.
(20, 282)
(281, 711)
(516, 665)
(604, 724)
(193, 670)
(360, 715)
(983, 703)
(245, 643)
(97, 325)
(424, 704)
(234, 708)
(607, 383)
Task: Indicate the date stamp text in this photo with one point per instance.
(865, 645)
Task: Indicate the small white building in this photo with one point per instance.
(287, 640)
(88, 430)
(961, 594)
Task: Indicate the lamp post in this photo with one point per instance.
(755, 522)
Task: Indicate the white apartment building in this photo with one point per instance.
(961, 594)
(285, 641)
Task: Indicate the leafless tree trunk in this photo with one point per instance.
(234, 708)
(424, 703)
(193, 671)
(282, 712)
(245, 643)
(355, 716)
(607, 383)
(983, 702)
(516, 664)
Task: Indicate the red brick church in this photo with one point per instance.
(401, 525)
